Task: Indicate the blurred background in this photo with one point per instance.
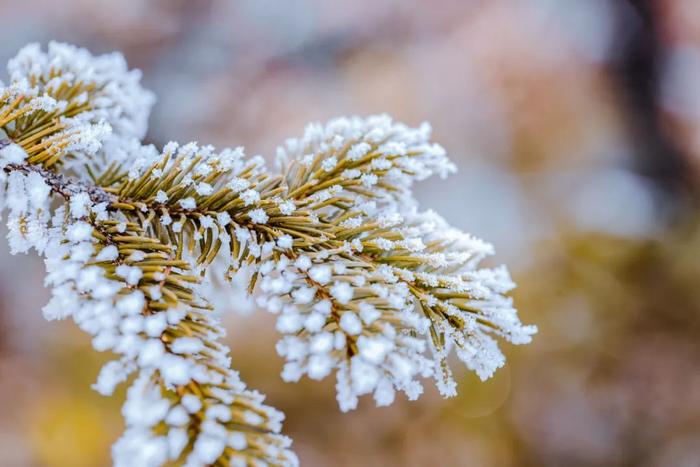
(576, 128)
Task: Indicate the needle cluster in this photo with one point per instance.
(364, 283)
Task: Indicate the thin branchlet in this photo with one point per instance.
(62, 184)
(140, 244)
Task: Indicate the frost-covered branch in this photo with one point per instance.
(62, 184)
(396, 289)
(364, 283)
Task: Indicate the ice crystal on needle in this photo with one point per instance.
(136, 240)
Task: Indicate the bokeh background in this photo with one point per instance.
(576, 128)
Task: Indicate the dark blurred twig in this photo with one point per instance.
(636, 73)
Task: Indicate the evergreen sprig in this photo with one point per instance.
(363, 282)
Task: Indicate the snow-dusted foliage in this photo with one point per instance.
(90, 88)
(136, 239)
(395, 289)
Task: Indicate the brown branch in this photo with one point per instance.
(62, 184)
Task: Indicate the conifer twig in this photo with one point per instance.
(364, 283)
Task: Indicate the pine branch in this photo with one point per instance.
(145, 290)
(169, 337)
(364, 283)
